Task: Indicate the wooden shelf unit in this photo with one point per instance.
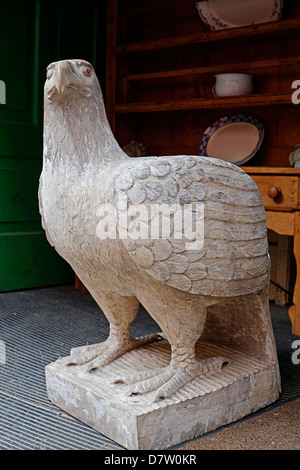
(162, 58)
(161, 61)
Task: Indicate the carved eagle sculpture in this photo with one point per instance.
(119, 222)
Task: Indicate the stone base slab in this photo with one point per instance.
(244, 385)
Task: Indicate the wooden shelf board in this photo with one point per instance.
(271, 170)
(209, 36)
(239, 67)
(204, 103)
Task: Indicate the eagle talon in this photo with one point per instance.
(103, 353)
(168, 380)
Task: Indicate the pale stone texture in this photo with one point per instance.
(216, 398)
(118, 221)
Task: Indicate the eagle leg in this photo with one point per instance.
(120, 311)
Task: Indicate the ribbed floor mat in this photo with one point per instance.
(39, 325)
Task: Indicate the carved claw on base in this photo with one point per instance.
(101, 354)
(171, 378)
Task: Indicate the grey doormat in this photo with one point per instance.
(39, 325)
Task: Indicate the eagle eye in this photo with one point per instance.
(86, 71)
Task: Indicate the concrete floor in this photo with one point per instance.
(277, 429)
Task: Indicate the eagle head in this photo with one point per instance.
(73, 79)
(75, 121)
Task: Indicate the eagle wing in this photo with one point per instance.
(195, 223)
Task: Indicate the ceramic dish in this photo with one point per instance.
(234, 138)
(232, 84)
(221, 14)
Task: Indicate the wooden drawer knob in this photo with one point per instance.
(274, 193)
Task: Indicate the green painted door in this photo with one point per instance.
(33, 33)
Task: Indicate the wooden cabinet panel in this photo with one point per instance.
(278, 192)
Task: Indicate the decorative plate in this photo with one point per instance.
(234, 138)
(221, 14)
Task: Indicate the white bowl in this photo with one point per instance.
(231, 84)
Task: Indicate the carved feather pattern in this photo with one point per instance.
(235, 249)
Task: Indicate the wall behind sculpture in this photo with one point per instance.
(34, 34)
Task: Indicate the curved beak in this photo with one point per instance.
(64, 76)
